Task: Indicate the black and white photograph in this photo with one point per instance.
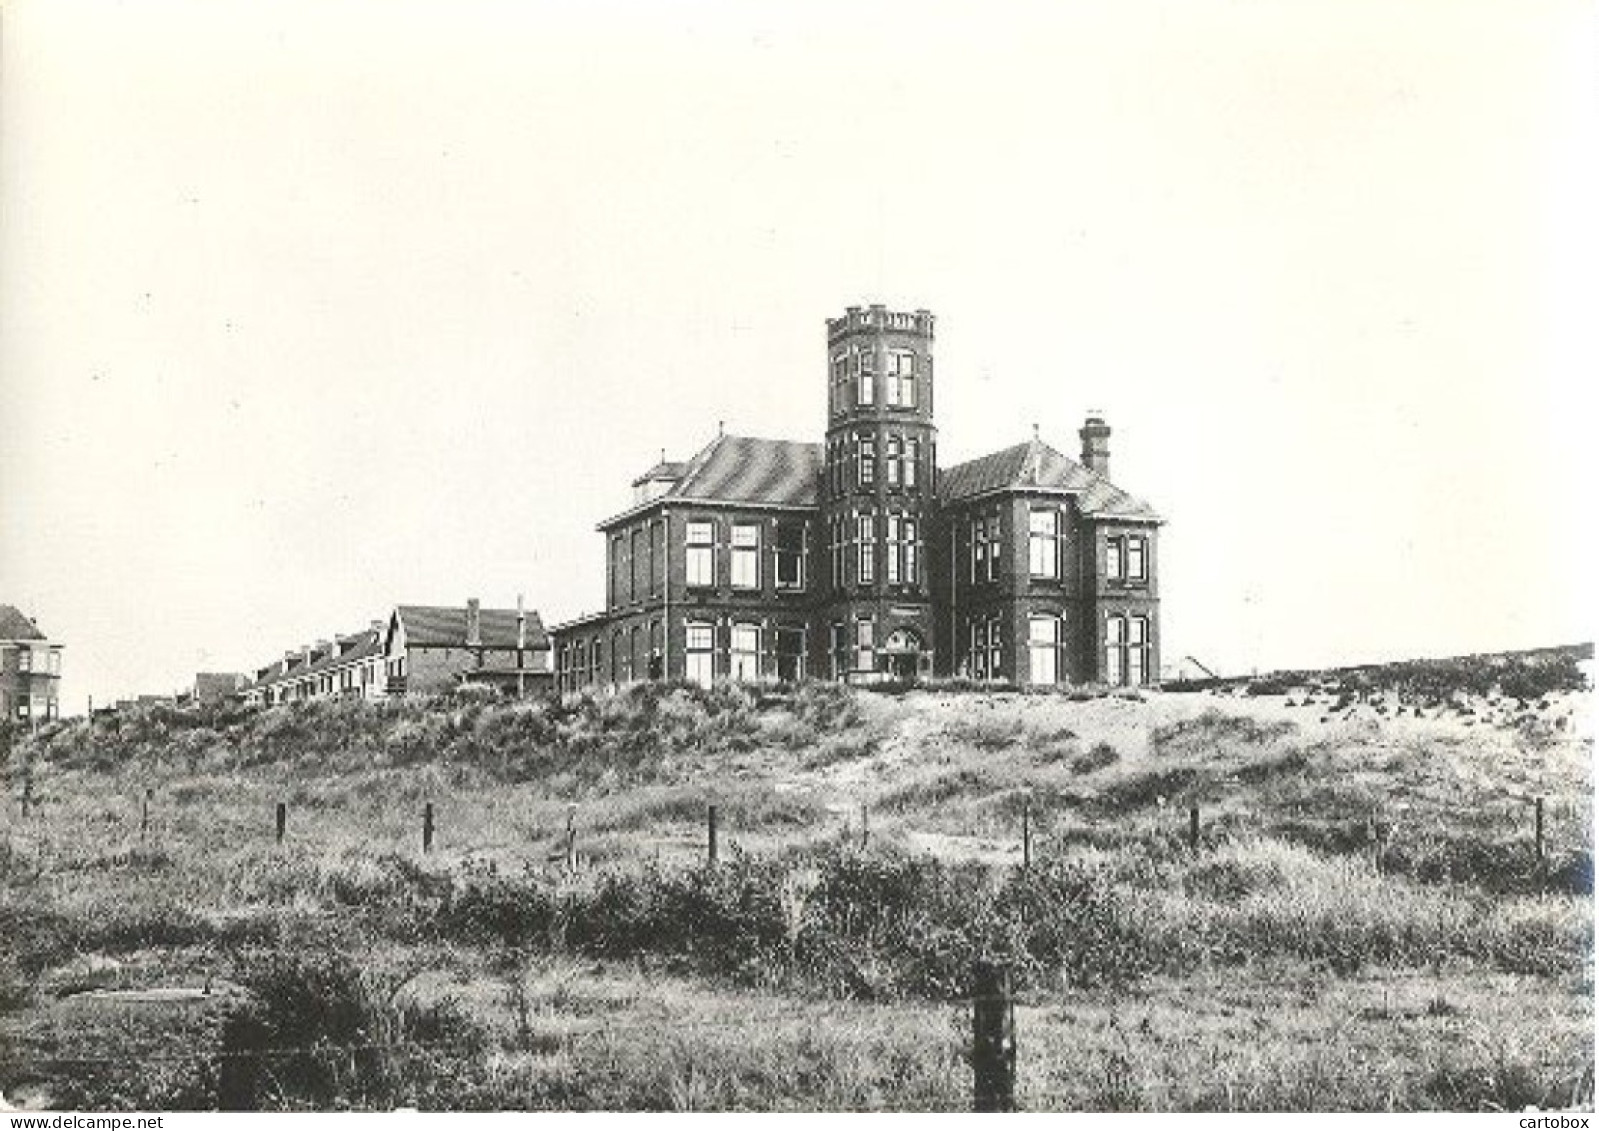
(791, 557)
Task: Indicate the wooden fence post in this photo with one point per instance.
(427, 827)
(1027, 836)
(571, 840)
(27, 794)
(1193, 827)
(144, 816)
(866, 825)
(710, 835)
(993, 1039)
(283, 819)
(1537, 828)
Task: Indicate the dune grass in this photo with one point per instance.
(1364, 924)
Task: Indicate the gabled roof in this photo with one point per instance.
(744, 469)
(445, 626)
(1037, 466)
(15, 626)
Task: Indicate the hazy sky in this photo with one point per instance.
(311, 308)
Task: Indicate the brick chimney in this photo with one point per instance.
(1095, 435)
(474, 623)
(521, 624)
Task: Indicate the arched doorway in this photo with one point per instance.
(902, 653)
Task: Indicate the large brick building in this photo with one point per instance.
(859, 558)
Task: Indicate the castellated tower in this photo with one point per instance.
(878, 495)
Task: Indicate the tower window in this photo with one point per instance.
(902, 379)
(866, 460)
(866, 546)
(893, 458)
(701, 543)
(913, 457)
(864, 394)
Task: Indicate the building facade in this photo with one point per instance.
(30, 669)
(859, 559)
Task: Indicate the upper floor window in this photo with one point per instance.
(700, 539)
(746, 556)
(1127, 558)
(1043, 543)
(913, 457)
(865, 383)
(985, 548)
(866, 460)
(902, 379)
(25, 659)
(893, 455)
(789, 554)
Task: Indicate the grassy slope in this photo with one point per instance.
(1363, 928)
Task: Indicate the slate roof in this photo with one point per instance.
(744, 469)
(15, 626)
(445, 626)
(1036, 465)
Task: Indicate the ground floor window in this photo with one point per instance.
(790, 653)
(1043, 649)
(985, 649)
(745, 654)
(699, 653)
(1126, 649)
(865, 645)
(839, 649)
